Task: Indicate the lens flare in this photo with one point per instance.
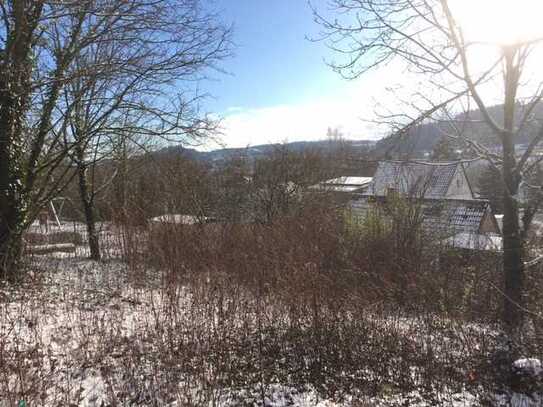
(502, 22)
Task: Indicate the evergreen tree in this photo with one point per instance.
(444, 150)
(491, 188)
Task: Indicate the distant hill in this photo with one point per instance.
(418, 140)
(424, 137)
(254, 152)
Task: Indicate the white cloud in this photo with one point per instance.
(350, 109)
(308, 121)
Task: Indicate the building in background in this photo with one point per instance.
(344, 189)
(443, 197)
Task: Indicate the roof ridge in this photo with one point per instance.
(428, 163)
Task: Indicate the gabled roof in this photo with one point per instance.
(418, 178)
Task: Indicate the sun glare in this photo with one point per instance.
(502, 22)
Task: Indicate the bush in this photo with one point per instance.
(328, 301)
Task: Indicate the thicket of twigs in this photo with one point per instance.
(223, 314)
(347, 306)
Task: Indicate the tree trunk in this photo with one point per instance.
(513, 265)
(120, 183)
(11, 194)
(88, 209)
(15, 77)
(11, 237)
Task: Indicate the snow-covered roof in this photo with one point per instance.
(355, 181)
(344, 184)
(431, 180)
(179, 219)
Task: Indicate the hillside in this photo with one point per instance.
(254, 152)
(424, 137)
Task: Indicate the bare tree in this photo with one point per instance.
(281, 178)
(429, 39)
(50, 46)
(113, 109)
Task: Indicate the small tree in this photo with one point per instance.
(281, 178)
(233, 184)
(444, 150)
(491, 187)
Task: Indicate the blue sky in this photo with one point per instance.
(274, 63)
(279, 87)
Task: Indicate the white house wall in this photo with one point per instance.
(459, 186)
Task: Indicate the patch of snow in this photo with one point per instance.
(518, 400)
(94, 391)
(530, 366)
(177, 219)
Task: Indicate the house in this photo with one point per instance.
(442, 191)
(421, 179)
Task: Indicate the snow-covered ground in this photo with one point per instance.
(81, 333)
(58, 331)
